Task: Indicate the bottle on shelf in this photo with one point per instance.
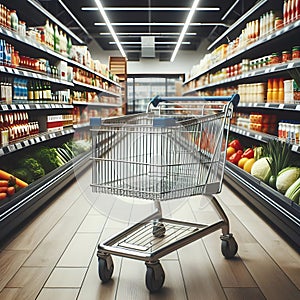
(56, 39)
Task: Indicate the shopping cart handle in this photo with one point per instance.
(234, 99)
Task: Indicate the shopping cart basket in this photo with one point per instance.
(176, 149)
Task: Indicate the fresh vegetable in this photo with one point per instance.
(23, 174)
(10, 190)
(12, 179)
(229, 151)
(280, 155)
(258, 152)
(248, 153)
(234, 158)
(242, 162)
(47, 157)
(261, 169)
(286, 178)
(3, 183)
(293, 192)
(236, 145)
(3, 196)
(248, 164)
(3, 189)
(34, 167)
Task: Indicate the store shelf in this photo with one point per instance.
(243, 52)
(99, 104)
(248, 76)
(34, 75)
(283, 213)
(25, 202)
(94, 88)
(34, 106)
(273, 106)
(259, 136)
(33, 140)
(44, 49)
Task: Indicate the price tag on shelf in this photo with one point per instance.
(18, 146)
(11, 148)
(9, 33)
(47, 106)
(298, 107)
(37, 140)
(21, 106)
(281, 106)
(32, 141)
(9, 70)
(1, 152)
(26, 106)
(43, 138)
(37, 106)
(25, 73)
(26, 143)
(4, 107)
(290, 65)
(2, 69)
(16, 71)
(52, 135)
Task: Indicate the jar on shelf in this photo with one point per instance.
(275, 58)
(296, 52)
(278, 23)
(286, 56)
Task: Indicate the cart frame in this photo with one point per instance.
(154, 236)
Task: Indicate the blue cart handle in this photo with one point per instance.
(234, 99)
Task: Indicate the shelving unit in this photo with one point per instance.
(14, 210)
(283, 213)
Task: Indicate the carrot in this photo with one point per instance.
(7, 176)
(3, 189)
(3, 183)
(3, 196)
(11, 190)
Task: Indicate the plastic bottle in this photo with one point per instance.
(285, 12)
(14, 20)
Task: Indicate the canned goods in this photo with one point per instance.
(296, 52)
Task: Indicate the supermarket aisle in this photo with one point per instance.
(54, 257)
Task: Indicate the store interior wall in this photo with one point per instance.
(182, 64)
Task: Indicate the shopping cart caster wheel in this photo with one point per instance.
(105, 268)
(159, 230)
(229, 246)
(155, 277)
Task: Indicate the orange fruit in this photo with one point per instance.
(229, 151)
(248, 164)
(242, 162)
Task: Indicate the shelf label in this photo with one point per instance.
(47, 106)
(2, 69)
(21, 106)
(26, 143)
(298, 107)
(37, 139)
(43, 138)
(4, 107)
(32, 142)
(37, 106)
(19, 146)
(13, 107)
(11, 148)
(290, 65)
(26, 106)
(1, 152)
(9, 70)
(281, 106)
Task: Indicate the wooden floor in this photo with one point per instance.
(53, 257)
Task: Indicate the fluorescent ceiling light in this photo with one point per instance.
(230, 9)
(151, 8)
(238, 22)
(162, 24)
(74, 18)
(184, 29)
(103, 13)
(157, 34)
(156, 43)
(39, 7)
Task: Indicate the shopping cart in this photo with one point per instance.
(176, 149)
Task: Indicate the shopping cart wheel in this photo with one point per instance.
(105, 268)
(229, 246)
(155, 276)
(159, 230)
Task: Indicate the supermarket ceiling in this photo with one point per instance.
(144, 28)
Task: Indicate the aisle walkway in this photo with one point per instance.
(54, 256)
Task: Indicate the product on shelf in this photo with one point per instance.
(263, 123)
(289, 131)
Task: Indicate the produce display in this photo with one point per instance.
(37, 164)
(272, 163)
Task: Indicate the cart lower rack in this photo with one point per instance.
(173, 151)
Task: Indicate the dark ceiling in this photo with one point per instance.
(210, 28)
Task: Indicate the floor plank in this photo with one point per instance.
(244, 294)
(52, 293)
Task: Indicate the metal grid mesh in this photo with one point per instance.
(159, 162)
